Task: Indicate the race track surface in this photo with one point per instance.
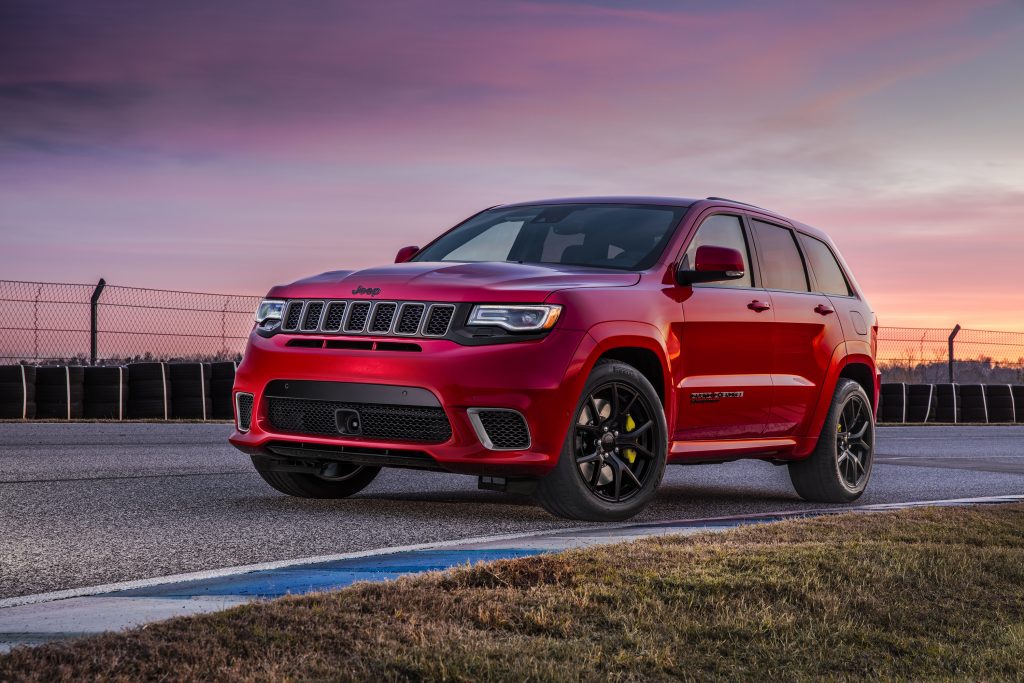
(86, 504)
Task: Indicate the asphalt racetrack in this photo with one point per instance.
(85, 504)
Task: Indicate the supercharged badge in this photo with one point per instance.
(713, 396)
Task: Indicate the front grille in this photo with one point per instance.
(362, 317)
(409, 321)
(311, 321)
(383, 315)
(379, 421)
(243, 410)
(438, 321)
(335, 314)
(502, 430)
(291, 318)
(358, 313)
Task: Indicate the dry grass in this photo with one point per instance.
(921, 594)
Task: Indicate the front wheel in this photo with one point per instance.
(613, 457)
(839, 468)
(345, 480)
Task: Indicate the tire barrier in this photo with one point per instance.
(222, 379)
(190, 391)
(59, 392)
(973, 407)
(106, 393)
(149, 391)
(920, 403)
(17, 392)
(893, 404)
(999, 402)
(1018, 402)
(947, 403)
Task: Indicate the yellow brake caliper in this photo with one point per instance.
(629, 452)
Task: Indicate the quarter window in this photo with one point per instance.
(781, 264)
(720, 231)
(828, 275)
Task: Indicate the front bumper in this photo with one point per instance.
(540, 379)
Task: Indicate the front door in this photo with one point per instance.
(724, 387)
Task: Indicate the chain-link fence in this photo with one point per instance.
(48, 322)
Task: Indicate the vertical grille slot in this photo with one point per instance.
(439, 319)
(383, 316)
(335, 314)
(292, 316)
(409, 320)
(359, 311)
(311, 319)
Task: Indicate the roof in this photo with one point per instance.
(655, 201)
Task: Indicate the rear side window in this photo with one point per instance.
(720, 231)
(828, 275)
(781, 264)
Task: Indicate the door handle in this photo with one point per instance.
(759, 306)
(822, 309)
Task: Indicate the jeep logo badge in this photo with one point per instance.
(372, 291)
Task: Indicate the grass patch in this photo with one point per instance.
(933, 593)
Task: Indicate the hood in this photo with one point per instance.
(456, 282)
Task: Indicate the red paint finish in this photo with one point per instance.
(744, 370)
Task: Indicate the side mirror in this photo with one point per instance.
(405, 253)
(713, 264)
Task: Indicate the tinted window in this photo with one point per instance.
(781, 265)
(720, 231)
(628, 237)
(827, 273)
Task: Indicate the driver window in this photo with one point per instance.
(721, 231)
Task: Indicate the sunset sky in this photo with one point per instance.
(230, 146)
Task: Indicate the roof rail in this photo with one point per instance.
(736, 201)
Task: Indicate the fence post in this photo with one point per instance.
(952, 336)
(94, 305)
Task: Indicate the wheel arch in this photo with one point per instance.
(639, 345)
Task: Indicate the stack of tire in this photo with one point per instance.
(149, 391)
(999, 403)
(222, 379)
(106, 393)
(190, 391)
(920, 403)
(893, 403)
(973, 406)
(947, 403)
(17, 392)
(60, 392)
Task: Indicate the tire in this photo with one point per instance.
(823, 477)
(222, 379)
(106, 393)
(565, 492)
(303, 485)
(55, 385)
(149, 391)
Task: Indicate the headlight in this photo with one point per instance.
(516, 318)
(270, 309)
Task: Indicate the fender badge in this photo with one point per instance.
(372, 291)
(713, 396)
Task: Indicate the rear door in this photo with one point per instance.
(806, 329)
(725, 385)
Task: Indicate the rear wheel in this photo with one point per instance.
(613, 457)
(345, 480)
(839, 469)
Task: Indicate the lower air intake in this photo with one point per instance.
(243, 411)
(500, 430)
(378, 421)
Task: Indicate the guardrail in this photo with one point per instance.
(904, 403)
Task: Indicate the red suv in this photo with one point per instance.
(571, 348)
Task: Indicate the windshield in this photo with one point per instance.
(621, 236)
